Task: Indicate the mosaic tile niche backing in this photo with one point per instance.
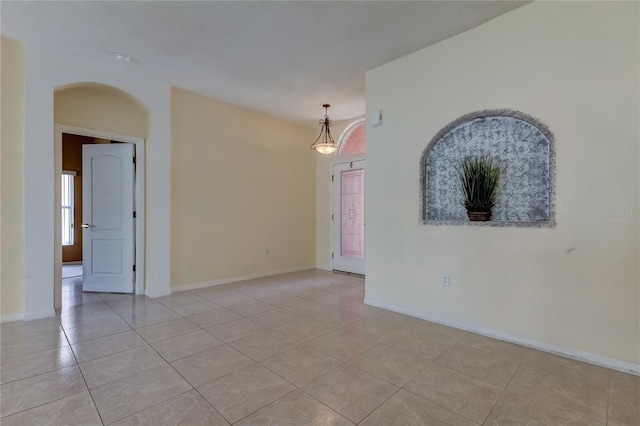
(524, 150)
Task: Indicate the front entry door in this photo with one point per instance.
(107, 217)
(348, 217)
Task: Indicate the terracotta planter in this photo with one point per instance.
(479, 216)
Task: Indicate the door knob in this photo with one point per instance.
(87, 225)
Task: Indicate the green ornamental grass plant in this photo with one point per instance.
(479, 178)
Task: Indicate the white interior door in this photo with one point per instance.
(348, 217)
(107, 217)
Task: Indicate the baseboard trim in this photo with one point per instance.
(229, 280)
(624, 366)
(154, 295)
(39, 315)
(12, 317)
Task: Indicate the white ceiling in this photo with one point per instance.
(282, 58)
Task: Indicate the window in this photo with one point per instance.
(353, 139)
(67, 207)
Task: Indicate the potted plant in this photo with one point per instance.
(479, 178)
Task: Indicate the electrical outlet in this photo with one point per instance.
(446, 282)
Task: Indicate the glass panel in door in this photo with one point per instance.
(352, 215)
(348, 217)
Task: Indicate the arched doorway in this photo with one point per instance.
(87, 114)
(48, 72)
(348, 251)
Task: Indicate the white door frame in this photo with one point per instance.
(139, 203)
(336, 162)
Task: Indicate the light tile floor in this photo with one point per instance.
(295, 349)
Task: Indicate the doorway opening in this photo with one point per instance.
(69, 141)
(348, 215)
(72, 294)
(348, 253)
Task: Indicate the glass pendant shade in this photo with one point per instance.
(325, 144)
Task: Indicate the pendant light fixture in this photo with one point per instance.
(325, 143)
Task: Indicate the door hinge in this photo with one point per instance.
(331, 178)
(134, 268)
(332, 255)
(134, 215)
(134, 160)
(331, 216)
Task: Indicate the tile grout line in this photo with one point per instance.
(248, 288)
(507, 386)
(264, 406)
(210, 404)
(181, 376)
(342, 364)
(460, 342)
(162, 402)
(131, 329)
(580, 415)
(381, 404)
(95, 406)
(210, 381)
(41, 373)
(606, 416)
(68, 396)
(381, 378)
(146, 369)
(322, 403)
(438, 405)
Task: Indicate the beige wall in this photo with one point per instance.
(12, 181)
(242, 183)
(96, 106)
(574, 66)
(324, 167)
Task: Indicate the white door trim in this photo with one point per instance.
(329, 166)
(139, 202)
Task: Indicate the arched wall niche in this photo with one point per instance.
(524, 149)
